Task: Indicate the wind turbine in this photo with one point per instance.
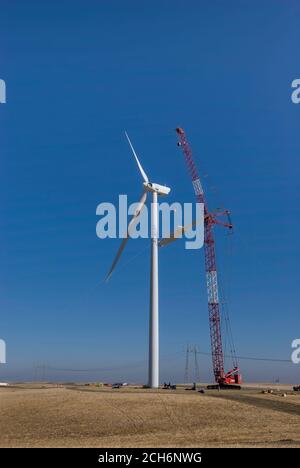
(155, 189)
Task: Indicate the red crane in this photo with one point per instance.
(224, 379)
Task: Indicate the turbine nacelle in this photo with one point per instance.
(159, 189)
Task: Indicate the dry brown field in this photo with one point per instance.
(79, 416)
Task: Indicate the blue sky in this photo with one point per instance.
(80, 72)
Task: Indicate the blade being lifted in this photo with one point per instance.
(130, 225)
(177, 234)
(144, 175)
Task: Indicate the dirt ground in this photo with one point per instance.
(61, 416)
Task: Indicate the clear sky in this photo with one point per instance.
(80, 72)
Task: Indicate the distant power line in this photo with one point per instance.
(97, 369)
(144, 362)
(250, 358)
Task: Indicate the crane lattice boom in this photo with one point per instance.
(233, 376)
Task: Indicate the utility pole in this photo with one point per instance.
(186, 372)
(195, 374)
(197, 370)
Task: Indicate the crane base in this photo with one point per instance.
(224, 387)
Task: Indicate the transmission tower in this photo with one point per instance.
(191, 373)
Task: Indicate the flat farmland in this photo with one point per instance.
(79, 416)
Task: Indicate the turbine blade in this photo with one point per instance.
(124, 242)
(144, 175)
(176, 234)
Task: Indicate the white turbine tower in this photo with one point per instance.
(156, 189)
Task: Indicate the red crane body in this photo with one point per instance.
(210, 219)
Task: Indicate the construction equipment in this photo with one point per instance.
(168, 386)
(231, 379)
